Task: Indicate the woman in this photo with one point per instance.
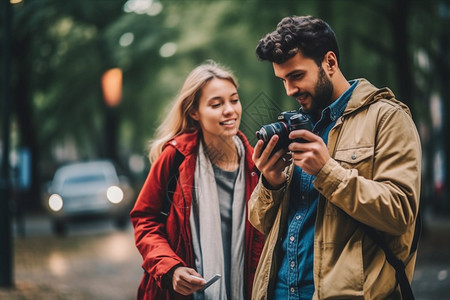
(206, 231)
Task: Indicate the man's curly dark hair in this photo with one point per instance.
(310, 35)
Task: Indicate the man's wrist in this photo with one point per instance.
(269, 186)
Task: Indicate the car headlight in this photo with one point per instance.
(55, 202)
(114, 194)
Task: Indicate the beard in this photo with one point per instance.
(322, 95)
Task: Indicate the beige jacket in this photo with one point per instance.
(374, 177)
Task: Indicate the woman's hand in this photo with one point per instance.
(186, 281)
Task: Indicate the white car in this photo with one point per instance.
(88, 189)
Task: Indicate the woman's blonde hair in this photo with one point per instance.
(178, 120)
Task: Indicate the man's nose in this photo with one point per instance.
(290, 88)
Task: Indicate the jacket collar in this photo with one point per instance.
(365, 94)
(186, 143)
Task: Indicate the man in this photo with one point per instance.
(360, 164)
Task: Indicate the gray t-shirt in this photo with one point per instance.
(225, 181)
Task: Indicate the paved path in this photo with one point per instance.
(96, 261)
(93, 261)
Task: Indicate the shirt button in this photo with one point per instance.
(298, 217)
(292, 290)
(292, 264)
(292, 238)
(353, 156)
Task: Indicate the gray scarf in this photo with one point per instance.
(205, 226)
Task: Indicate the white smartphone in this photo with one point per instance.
(211, 281)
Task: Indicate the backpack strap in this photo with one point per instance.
(171, 184)
(398, 265)
(417, 231)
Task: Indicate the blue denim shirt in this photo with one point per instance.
(295, 277)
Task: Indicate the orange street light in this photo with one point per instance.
(112, 86)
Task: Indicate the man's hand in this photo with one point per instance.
(186, 281)
(271, 166)
(310, 156)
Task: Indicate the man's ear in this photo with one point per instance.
(331, 60)
(330, 63)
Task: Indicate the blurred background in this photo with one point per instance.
(91, 80)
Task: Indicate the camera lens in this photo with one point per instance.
(269, 130)
(262, 134)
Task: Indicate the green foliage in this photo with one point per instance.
(69, 44)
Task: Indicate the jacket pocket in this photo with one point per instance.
(359, 158)
(341, 274)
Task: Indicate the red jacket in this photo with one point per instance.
(166, 244)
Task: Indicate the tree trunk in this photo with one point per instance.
(443, 67)
(22, 106)
(402, 57)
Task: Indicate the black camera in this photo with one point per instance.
(287, 121)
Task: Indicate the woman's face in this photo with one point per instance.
(219, 110)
